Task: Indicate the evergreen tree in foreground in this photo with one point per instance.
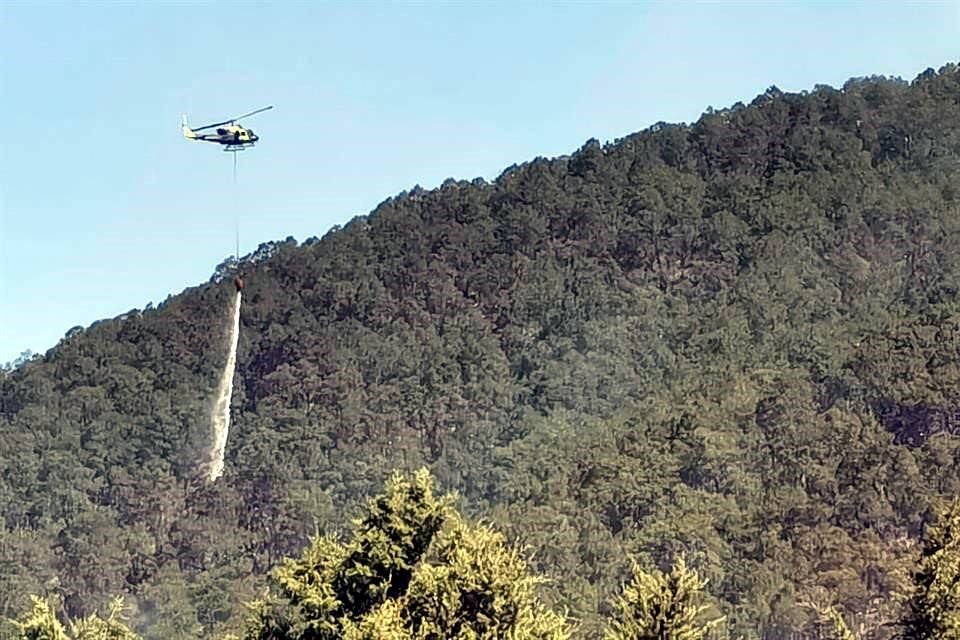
(42, 624)
(662, 606)
(935, 605)
(412, 569)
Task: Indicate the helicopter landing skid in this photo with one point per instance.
(235, 147)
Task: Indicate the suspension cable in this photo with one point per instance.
(236, 215)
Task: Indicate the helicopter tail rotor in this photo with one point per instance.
(187, 131)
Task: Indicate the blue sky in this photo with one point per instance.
(104, 207)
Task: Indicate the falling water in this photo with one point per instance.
(221, 410)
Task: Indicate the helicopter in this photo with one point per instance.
(233, 136)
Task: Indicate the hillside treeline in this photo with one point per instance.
(413, 568)
(736, 340)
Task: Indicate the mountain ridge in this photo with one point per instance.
(704, 337)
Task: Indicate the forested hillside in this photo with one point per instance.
(738, 339)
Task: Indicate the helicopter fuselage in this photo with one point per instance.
(234, 136)
(230, 136)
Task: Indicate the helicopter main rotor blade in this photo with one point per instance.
(247, 115)
(210, 126)
(232, 120)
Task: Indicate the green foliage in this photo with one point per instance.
(412, 568)
(42, 624)
(662, 606)
(935, 605)
(734, 340)
(830, 624)
(112, 628)
(386, 622)
(473, 586)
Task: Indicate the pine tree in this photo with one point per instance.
(42, 624)
(935, 604)
(662, 606)
(413, 569)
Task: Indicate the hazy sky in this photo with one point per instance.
(104, 207)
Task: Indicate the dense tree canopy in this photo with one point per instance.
(735, 340)
(935, 604)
